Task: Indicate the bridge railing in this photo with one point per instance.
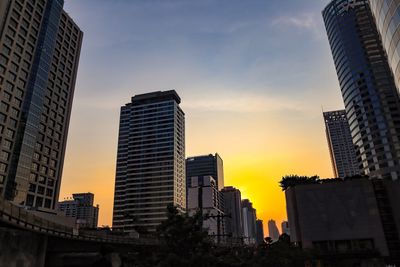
(22, 218)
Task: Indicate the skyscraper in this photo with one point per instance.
(208, 165)
(387, 18)
(249, 222)
(341, 148)
(150, 171)
(368, 88)
(273, 230)
(39, 55)
(234, 216)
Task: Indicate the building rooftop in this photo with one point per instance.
(157, 96)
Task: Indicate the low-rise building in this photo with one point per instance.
(82, 209)
(203, 195)
(349, 216)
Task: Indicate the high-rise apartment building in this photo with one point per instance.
(341, 148)
(208, 165)
(82, 209)
(387, 19)
(368, 88)
(39, 55)
(273, 230)
(234, 215)
(150, 171)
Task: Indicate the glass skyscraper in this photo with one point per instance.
(367, 84)
(39, 55)
(387, 17)
(341, 148)
(150, 171)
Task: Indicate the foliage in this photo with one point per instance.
(185, 243)
(293, 180)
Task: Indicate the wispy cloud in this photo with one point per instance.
(303, 21)
(240, 103)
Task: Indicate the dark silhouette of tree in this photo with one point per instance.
(293, 180)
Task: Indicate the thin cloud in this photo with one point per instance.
(240, 104)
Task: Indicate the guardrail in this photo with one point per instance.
(22, 218)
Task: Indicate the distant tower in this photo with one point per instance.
(150, 161)
(273, 230)
(368, 87)
(341, 148)
(234, 216)
(285, 228)
(208, 165)
(259, 232)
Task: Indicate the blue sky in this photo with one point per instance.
(252, 74)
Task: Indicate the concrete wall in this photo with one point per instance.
(335, 211)
(21, 248)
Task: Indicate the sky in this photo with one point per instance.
(254, 77)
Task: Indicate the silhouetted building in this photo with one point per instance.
(203, 195)
(39, 55)
(285, 228)
(234, 215)
(367, 84)
(341, 148)
(273, 230)
(150, 171)
(387, 14)
(352, 216)
(249, 222)
(208, 165)
(81, 208)
(259, 232)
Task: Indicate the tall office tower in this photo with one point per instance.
(208, 165)
(259, 232)
(150, 171)
(387, 18)
(249, 222)
(234, 216)
(341, 148)
(368, 88)
(273, 230)
(285, 228)
(81, 208)
(203, 195)
(39, 55)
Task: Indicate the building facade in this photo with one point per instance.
(203, 195)
(368, 88)
(82, 209)
(208, 165)
(273, 230)
(249, 222)
(150, 172)
(341, 148)
(39, 55)
(346, 216)
(234, 215)
(387, 18)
